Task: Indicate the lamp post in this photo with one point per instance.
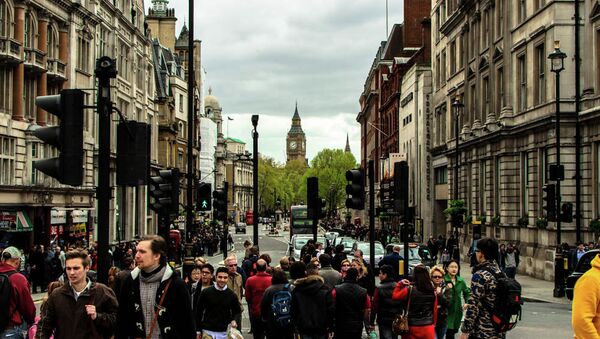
(557, 61)
(458, 107)
(255, 177)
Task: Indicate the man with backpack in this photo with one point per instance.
(495, 301)
(255, 289)
(17, 311)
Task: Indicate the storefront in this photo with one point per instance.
(70, 226)
(15, 229)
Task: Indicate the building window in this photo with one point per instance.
(462, 54)
(542, 170)
(30, 92)
(522, 79)
(482, 188)
(486, 29)
(123, 64)
(437, 72)
(7, 160)
(140, 73)
(28, 34)
(497, 178)
(441, 175)
(524, 186)
(486, 98)
(35, 155)
(522, 10)
(472, 104)
(443, 67)
(3, 19)
(437, 24)
(499, 18)
(83, 54)
(540, 67)
(539, 4)
(51, 41)
(443, 10)
(6, 76)
(180, 102)
(499, 90)
(452, 57)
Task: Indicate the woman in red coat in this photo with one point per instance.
(422, 312)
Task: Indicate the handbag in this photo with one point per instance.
(400, 323)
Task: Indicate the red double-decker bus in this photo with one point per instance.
(249, 218)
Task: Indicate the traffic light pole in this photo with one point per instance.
(559, 290)
(190, 127)
(255, 179)
(371, 169)
(225, 226)
(105, 70)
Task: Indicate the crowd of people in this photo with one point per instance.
(323, 295)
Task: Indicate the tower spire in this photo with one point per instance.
(347, 144)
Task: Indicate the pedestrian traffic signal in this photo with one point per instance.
(203, 203)
(67, 168)
(355, 189)
(164, 188)
(549, 204)
(566, 214)
(220, 204)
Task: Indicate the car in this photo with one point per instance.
(414, 258)
(240, 227)
(298, 241)
(583, 265)
(364, 246)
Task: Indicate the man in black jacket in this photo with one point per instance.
(384, 309)
(154, 301)
(352, 306)
(393, 259)
(313, 307)
(217, 307)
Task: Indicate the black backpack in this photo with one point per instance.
(5, 296)
(507, 307)
(282, 307)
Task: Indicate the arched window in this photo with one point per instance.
(3, 19)
(28, 42)
(51, 41)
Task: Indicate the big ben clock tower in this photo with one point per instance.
(296, 140)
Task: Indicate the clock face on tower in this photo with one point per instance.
(293, 145)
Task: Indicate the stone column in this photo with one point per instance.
(19, 73)
(63, 51)
(43, 78)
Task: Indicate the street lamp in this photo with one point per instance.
(557, 61)
(255, 177)
(458, 107)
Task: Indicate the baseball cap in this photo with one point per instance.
(11, 252)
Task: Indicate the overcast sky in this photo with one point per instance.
(260, 56)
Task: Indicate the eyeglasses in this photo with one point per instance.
(232, 265)
(436, 276)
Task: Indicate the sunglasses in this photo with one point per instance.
(345, 265)
(436, 276)
(232, 265)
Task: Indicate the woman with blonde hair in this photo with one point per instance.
(444, 295)
(363, 276)
(112, 277)
(344, 266)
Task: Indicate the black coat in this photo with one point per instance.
(313, 307)
(175, 319)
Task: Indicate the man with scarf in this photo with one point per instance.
(154, 301)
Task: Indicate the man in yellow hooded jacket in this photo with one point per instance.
(586, 303)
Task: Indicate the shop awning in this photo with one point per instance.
(15, 222)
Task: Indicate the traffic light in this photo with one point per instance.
(355, 189)
(321, 208)
(133, 153)
(220, 204)
(566, 214)
(312, 197)
(203, 203)
(549, 197)
(401, 188)
(67, 168)
(164, 188)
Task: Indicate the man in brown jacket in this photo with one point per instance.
(80, 309)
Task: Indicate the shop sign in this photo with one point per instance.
(79, 216)
(57, 230)
(78, 230)
(58, 217)
(8, 221)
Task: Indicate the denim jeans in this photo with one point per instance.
(440, 330)
(385, 332)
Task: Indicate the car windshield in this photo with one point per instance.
(364, 247)
(299, 242)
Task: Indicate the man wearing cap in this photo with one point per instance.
(21, 309)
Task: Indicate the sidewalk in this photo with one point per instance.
(535, 290)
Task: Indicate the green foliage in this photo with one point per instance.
(541, 223)
(457, 207)
(595, 225)
(482, 218)
(469, 219)
(496, 220)
(523, 221)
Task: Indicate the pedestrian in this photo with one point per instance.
(218, 306)
(511, 261)
(345, 265)
(586, 302)
(421, 303)
(580, 250)
(195, 276)
(112, 277)
(459, 290)
(19, 308)
(236, 285)
(330, 276)
(501, 254)
(166, 309)
(249, 265)
(384, 309)
(433, 249)
(128, 265)
(284, 264)
(80, 308)
(477, 323)
(444, 296)
(393, 259)
(363, 276)
(254, 291)
(207, 280)
(338, 257)
(352, 307)
(36, 261)
(313, 307)
(275, 330)
(43, 307)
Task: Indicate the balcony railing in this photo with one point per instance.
(10, 50)
(56, 69)
(34, 60)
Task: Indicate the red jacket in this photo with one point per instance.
(255, 289)
(21, 304)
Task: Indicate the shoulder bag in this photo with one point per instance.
(400, 324)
